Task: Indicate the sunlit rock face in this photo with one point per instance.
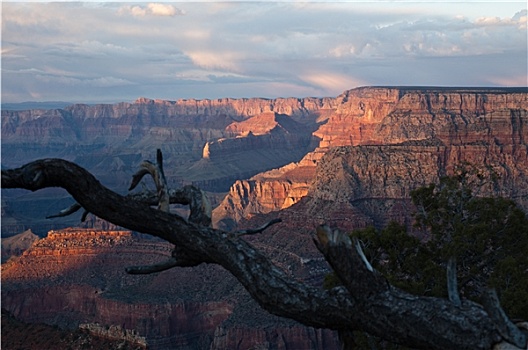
(397, 139)
(230, 145)
(75, 278)
(210, 143)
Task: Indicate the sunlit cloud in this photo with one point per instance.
(152, 9)
(330, 83)
(225, 60)
(521, 80)
(518, 20)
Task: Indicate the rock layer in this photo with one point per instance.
(205, 142)
(444, 126)
(75, 279)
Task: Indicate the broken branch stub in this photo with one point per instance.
(156, 171)
(253, 231)
(200, 212)
(199, 205)
(65, 212)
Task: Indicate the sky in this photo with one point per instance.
(106, 52)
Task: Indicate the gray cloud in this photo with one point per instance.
(113, 51)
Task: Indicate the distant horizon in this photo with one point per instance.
(57, 104)
(103, 52)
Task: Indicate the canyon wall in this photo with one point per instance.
(237, 145)
(446, 127)
(205, 142)
(75, 279)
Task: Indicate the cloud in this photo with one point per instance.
(152, 9)
(518, 20)
(74, 81)
(510, 81)
(212, 59)
(330, 83)
(108, 49)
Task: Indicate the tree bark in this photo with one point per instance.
(366, 303)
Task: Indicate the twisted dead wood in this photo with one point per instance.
(367, 302)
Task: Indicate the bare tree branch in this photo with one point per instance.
(156, 171)
(255, 230)
(65, 212)
(179, 258)
(452, 287)
(200, 214)
(84, 215)
(359, 250)
(511, 333)
(147, 269)
(199, 205)
(366, 303)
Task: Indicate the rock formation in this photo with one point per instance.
(111, 141)
(262, 142)
(420, 133)
(16, 245)
(349, 161)
(75, 279)
(39, 336)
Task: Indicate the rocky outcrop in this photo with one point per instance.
(16, 245)
(264, 193)
(75, 278)
(373, 183)
(444, 126)
(112, 140)
(39, 336)
(262, 142)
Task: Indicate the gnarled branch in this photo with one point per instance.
(367, 303)
(255, 230)
(511, 333)
(158, 175)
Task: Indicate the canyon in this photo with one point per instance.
(381, 143)
(349, 161)
(75, 279)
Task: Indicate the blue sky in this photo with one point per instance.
(117, 51)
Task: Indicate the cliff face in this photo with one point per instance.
(205, 142)
(445, 127)
(259, 143)
(87, 133)
(31, 336)
(371, 185)
(215, 143)
(75, 278)
(16, 245)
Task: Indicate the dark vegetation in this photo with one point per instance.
(486, 236)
